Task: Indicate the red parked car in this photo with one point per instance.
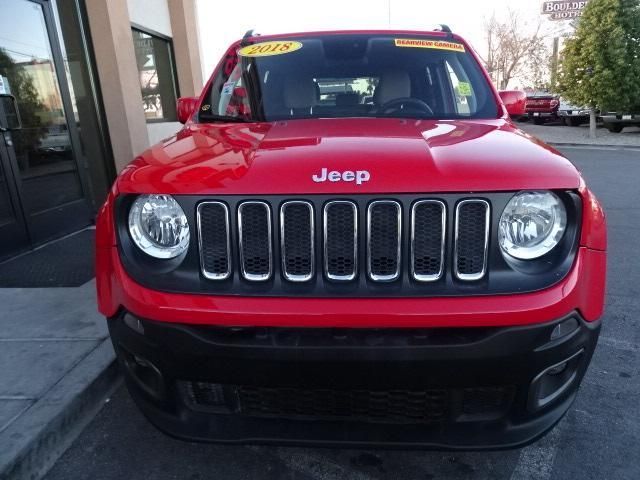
(394, 263)
(542, 107)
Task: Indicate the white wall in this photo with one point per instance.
(154, 15)
(151, 14)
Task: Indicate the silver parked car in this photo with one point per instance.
(572, 115)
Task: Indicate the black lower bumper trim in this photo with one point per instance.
(466, 388)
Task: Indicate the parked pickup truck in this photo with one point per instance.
(414, 271)
(615, 122)
(541, 107)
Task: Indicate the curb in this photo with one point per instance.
(594, 145)
(37, 439)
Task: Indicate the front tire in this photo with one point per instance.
(614, 127)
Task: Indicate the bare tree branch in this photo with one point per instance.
(514, 51)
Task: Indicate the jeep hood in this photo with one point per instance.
(401, 156)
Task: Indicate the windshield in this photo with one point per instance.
(335, 76)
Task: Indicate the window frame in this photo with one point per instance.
(172, 64)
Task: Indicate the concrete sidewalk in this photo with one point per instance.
(556, 134)
(57, 366)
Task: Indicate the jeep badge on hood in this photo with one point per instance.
(359, 176)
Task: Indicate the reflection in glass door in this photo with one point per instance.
(50, 189)
(13, 232)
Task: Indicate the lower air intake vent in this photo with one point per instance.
(420, 406)
(396, 406)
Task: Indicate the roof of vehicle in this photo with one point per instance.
(539, 93)
(433, 33)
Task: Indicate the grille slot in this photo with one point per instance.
(428, 227)
(254, 230)
(471, 239)
(340, 240)
(384, 236)
(213, 240)
(297, 240)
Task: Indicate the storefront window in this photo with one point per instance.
(157, 76)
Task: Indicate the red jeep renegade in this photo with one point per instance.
(349, 243)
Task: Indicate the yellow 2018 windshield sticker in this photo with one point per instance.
(434, 44)
(266, 49)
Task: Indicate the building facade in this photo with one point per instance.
(96, 83)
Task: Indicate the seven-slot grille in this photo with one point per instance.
(301, 224)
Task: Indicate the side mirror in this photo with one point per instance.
(9, 113)
(514, 101)
(186, 106)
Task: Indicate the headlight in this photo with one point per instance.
(532, 224)
(158, 226)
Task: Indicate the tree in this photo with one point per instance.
(514, 50)
(600, 64)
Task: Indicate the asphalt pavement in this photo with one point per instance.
(598, 439)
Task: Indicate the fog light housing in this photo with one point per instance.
(553, 381)
(564, 328)
(558, 369)
(144, 374)
(133, 323)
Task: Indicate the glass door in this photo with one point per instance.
(40, 159)
(13, 231)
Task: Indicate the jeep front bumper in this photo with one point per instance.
(454, 388)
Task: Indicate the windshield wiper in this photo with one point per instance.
(211, 117)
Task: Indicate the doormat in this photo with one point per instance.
(64, 263)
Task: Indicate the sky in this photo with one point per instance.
(221, 22)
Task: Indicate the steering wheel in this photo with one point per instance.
(399, 103)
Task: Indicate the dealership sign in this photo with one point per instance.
(563, 9)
